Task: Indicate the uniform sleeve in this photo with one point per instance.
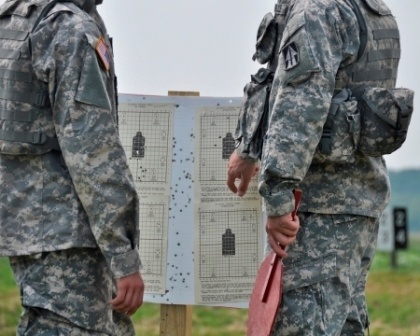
(320, 36)
(85, 122)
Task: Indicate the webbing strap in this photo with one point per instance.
(363, 29)
(380, 34)
(378, 55)
(16, 75)
(325, 144)
(35, 138)
(17, 115)
(16, 35)
(36, 98)
(10, 54)
(375, 75)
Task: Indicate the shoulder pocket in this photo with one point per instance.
(297, 60)
(92, 85)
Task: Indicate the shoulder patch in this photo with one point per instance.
(103, 53)
(291, 55)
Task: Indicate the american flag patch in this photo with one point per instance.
(103, 53)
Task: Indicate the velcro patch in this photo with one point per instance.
(291, 55)
(103, 53)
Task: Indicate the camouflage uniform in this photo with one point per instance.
(68, 204)
(326, 271)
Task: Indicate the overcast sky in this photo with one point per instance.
(207, 45)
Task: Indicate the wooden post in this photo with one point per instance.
(394, 260)
(184, 93)
(176, 320)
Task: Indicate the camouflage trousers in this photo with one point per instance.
(66, 293)
(325, 276)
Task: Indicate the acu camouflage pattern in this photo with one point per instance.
(379, 124)
(253, 118)
(386, 115)
(83, 195)
(325, 276)
(25, 124)
(67, 293)
(327, 36)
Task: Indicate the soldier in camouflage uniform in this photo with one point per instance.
(329, 49)
(68, 204)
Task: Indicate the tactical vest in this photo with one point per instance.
(379, 53)
(26, 125)
(367, 113)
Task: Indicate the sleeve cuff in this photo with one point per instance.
(276, 203)
(126, 264)
(246, 154)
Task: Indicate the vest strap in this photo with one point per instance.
(17, 115)
(363, 29)
(16, 35)
(35, 138)
(325, 144)
(36, 98)
(378, 55)
(16, 75)
(375, 75)
(380, 34)
(9, 54)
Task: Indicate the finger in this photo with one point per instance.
(242, 188)
(286, 227)
(231, 183)
(137, 301)
(119, 298)
(124, 303)
(244, 183)
(277, 249)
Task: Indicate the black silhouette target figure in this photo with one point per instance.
(139, 142)
(228, 243)
(228, 146)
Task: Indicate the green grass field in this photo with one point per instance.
(393, 297)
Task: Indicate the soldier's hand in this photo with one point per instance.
(241, 169)
(130, 290)
(281, 232)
